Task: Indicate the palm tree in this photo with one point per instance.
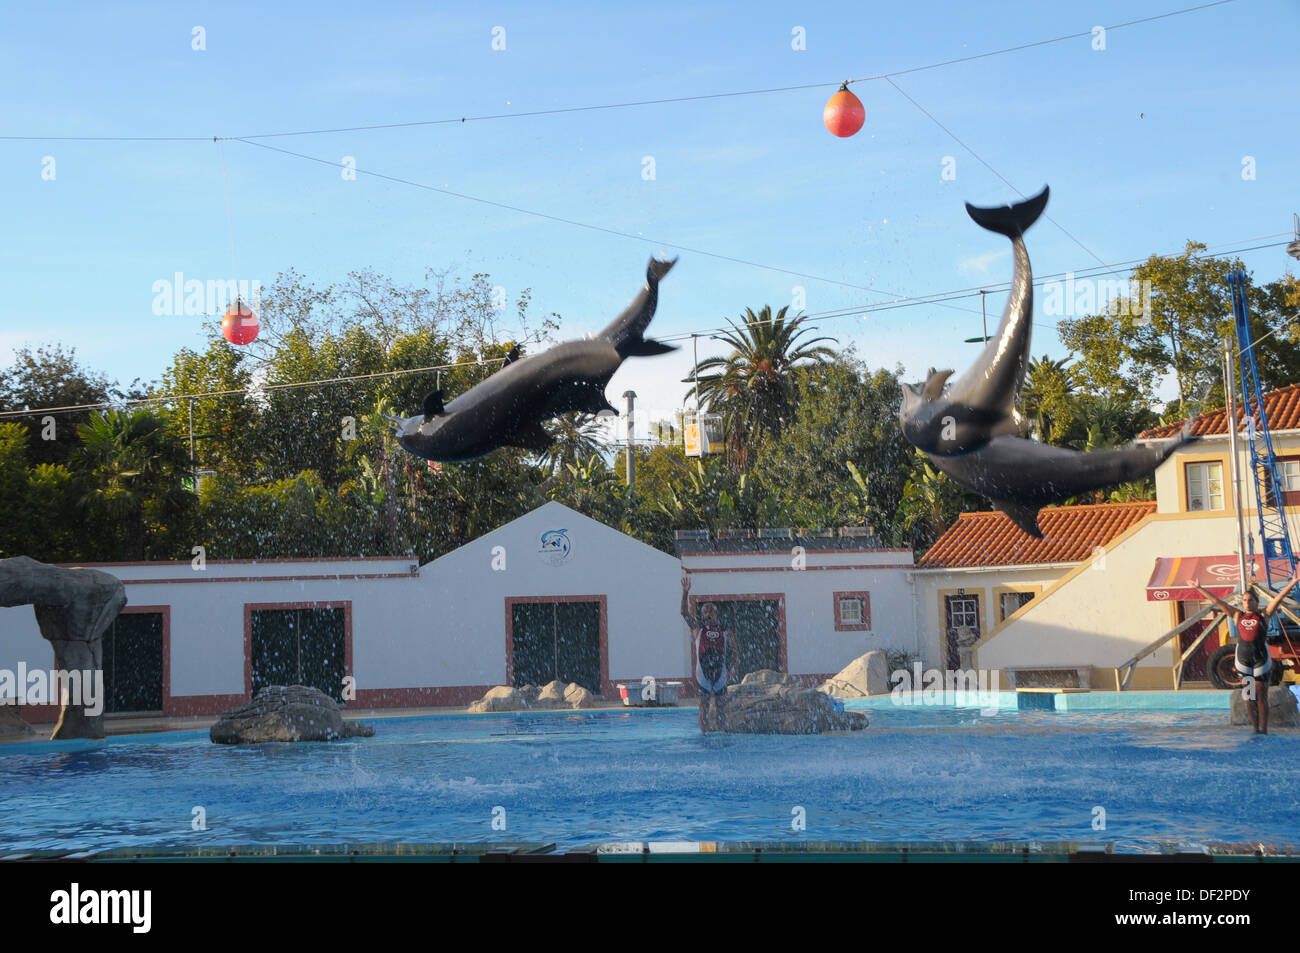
(133, 466)
(578, 437)
(752, 386)
(1047, 398)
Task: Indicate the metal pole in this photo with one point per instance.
(631, 456)
(1232, 443)
(984, 314)
(194, 473)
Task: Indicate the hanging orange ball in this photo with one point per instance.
(240, 325)
(844, 113)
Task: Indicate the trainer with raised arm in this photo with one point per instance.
(716, 659)
(1248, 626)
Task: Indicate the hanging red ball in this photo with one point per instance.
(240, 325)
(844, 114)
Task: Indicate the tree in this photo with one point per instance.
(52, 377)
(932, 501)
(578, 437)
(1047, 398)
(751, 387)
(134, 467)
(845, 418)
(1128, 348)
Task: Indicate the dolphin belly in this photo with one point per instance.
(1022, 476)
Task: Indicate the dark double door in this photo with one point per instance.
(299, 647)
(756, 626)
(133, 663)
(556, 640)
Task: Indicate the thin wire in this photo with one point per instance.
(982, 162)
(701, 332)
(569, 221)
(636, 103)
(230, 225)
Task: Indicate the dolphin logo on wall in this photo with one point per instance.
(1020, 477)
(509, 407)
(555, 546)
(981, 404)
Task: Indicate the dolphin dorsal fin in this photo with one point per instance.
(433, 404)
(934, 384)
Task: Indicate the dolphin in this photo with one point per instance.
(981, 405)
(1020, 476)
(508, 408)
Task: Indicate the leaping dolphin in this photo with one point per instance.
(508, 408)
(1020, 476)
(981, 405)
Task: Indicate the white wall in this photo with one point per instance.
(646, 633)
(1101, 616)
(930, 586)
(813, 646)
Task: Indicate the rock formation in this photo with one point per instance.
(1282, 709)
(73, 609)
(865, 675)
(12, 724)
(531, 698)
(772, 703)
(286, 713)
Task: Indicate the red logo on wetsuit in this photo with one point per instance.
(1249, 625)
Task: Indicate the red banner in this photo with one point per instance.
(1172, 577)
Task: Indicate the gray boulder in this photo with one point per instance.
(772, 703)
(286, 713)
(552, 695)
(1282, 709)
(12, 724)
(500, 698)
(866, 675)
(528, 697)
(73, 608)
(579, 697)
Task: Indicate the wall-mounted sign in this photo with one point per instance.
(555, 547)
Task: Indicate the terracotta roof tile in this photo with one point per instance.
(1069, 535)
(1281, 405)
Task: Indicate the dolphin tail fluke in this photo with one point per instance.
(1026, 517)
(626, 332)
(657, 268)
(1010, 220)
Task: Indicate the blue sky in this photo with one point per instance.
(1142, 144)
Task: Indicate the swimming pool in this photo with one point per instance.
(583, 778)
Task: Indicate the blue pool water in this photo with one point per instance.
(918, 774)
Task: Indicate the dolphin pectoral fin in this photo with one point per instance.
(530, 436)
(433, 404)
(1026, 517)
(646, 347)
(933, 389)
(1010, 220)
(598, 404)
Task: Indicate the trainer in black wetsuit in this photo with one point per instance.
(1249, 623)
(716, 659)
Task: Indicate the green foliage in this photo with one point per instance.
(752, 386)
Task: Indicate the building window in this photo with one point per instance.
(1011, 601)
(1204, 486)
(852, 612)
